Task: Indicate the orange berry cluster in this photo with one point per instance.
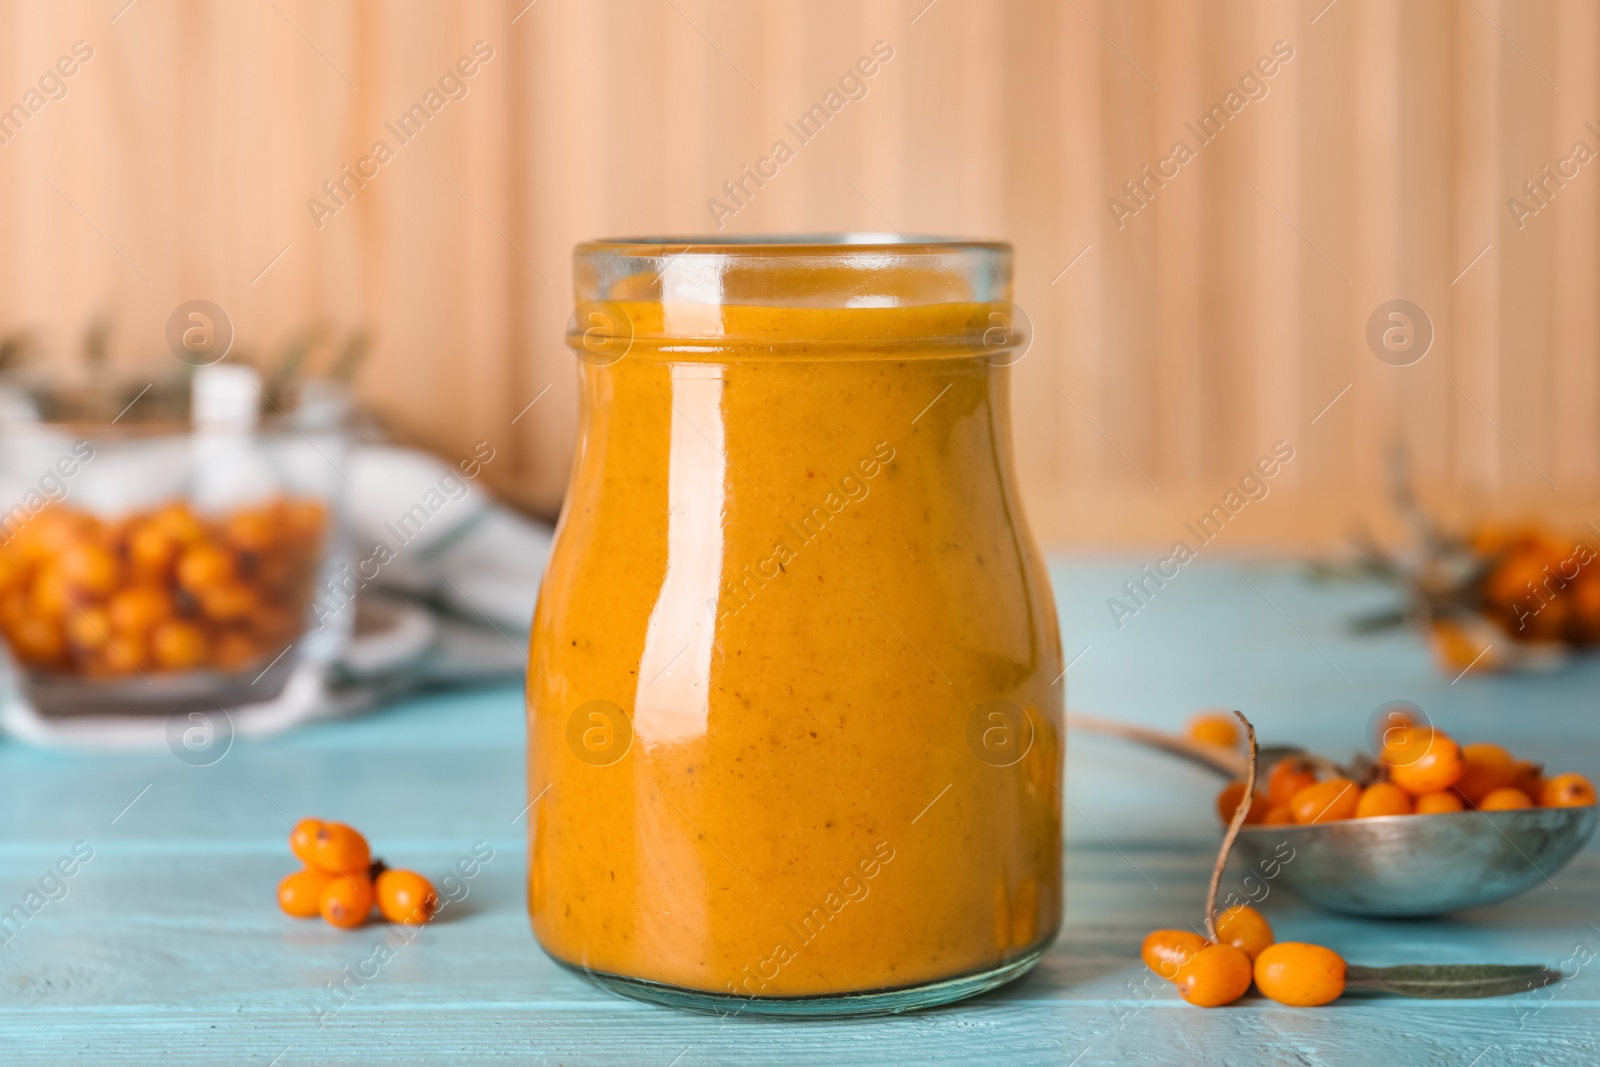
(1541, 586)
(1421, 771)
(164, 590)
(1211, 974)
(341, 881)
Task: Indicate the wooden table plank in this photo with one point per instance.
(167, 948)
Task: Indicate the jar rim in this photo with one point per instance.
(843, 292)
(794, 244)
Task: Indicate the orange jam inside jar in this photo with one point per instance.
(794, 713)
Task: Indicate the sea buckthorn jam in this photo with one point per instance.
(795, 687)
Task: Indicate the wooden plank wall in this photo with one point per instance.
(1172, 349)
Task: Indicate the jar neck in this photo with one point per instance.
(606, 331)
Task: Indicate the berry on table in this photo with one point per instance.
(1567, 791)
(300, 894)
(302, 839)
(1165, 951)
(1300, 975)
(1245, 929)
(1216, 975)
(346, 900)
(1327, 801)
(407, 897)
(335, 847)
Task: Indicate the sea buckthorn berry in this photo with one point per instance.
(1287, 777)
(1428, 762)
(38, 641)
(1485, 768)
(228, 601)
(203, 566)
(1228, 803)
(10, 569)
(1567, 791)
(1245, 929)
(406, 897)
(52, 597)
(1216, 975)
(1214, 729)
(89, 628)
(254, 529)
(1164, 951)
(138, 609)
(1300, 975)
(1383, 798)
(90, 568)
(178, 645)
(300, 894)
(337, 847)
(151, 550)
(303, 840)
(1440, 803)
(1530, 778)
(346, 900)
(1279, 815)
(179, 523)
(1402, 744)
(51, 531)
(1505, 799)
(123, 654)
(1327, 801)
(14, 607)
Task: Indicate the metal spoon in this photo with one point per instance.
(1391, 866)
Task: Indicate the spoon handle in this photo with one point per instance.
(1451, 980)
(1223, 761)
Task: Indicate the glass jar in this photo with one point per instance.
(794, 703)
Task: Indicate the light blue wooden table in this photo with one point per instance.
(167, 947)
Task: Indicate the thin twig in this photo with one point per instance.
(1239, 814)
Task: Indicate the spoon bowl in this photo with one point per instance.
(1401, 866)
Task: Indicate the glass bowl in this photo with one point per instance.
(162, 546)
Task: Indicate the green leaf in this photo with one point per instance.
(1450, 981)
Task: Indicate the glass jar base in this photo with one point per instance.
(821, 1006)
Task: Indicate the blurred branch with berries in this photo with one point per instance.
(1495, 596)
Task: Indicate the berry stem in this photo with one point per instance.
(1239, 814)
